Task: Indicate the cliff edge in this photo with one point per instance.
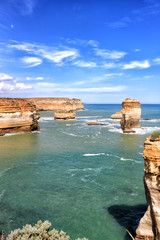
(17, 115)
(54, 104)
(149, 226)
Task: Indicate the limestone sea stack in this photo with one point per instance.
(17, 115)
(64, 115)
(149, 226)
(131, 114)
(54, 104)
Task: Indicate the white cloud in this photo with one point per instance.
(6, 87)
(156, 60)
(110, 65)
(31, 61)
(34, 79)
(137, 64)
(22, 86)
(4, 77)
(56, 55)
(85, 64)
(110, 54)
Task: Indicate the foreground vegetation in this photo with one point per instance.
(41, 231)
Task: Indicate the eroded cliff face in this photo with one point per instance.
(131, 114)
(149, 226)
(54, 104)
(17, 115)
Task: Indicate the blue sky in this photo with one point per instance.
(100, 51)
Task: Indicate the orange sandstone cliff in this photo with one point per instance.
(17, 115)
(149, 226)
(65, 115)
(131, 114)
(54, 104)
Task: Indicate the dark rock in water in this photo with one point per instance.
(127, 216)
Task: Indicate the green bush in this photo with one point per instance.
(41, 231)
(155, 136)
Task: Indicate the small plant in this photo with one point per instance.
(155, 136)
(41, 231)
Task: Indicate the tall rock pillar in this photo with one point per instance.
(131, 114)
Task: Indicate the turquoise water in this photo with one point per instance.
(86, 180)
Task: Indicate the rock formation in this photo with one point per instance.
(54, 104)
(17, 115)
(94, 123)
(149, 226)
(117, 115)
(65, 115)
(131, 114)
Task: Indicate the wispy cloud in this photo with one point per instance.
(106, 77)
(156, 61)
(25, 7)
(5, 77)
(85, 64)
(137, 64)
(31, 61)
(56, 55)
(123, 22)
(108, 54)
(34, 79)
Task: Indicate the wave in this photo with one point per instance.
(46, 119)
(84, 117)
(12, 134)
(129, 159)
(150, 120)
(1, 194)
(92, 154)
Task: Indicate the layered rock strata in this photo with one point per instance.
(17, 115)
(64, 115)
(54, 104)
(131, 114)
(149, 226)
(117, 115)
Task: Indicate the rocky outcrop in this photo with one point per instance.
(117, 115)
(149, 226)
(64, 115)
(17, 115)
(54, 104)
(131, 114)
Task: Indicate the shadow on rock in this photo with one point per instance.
(128, 216)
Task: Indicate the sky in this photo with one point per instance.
(101, 51)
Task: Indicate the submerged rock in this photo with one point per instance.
(131, 114)
(149, 226)
(65, 115)
(17, 115)
(93, 123)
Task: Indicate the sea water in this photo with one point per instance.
(86, 180)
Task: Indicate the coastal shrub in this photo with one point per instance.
(41, 231)
(155, 135)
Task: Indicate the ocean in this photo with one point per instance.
(86, 180)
